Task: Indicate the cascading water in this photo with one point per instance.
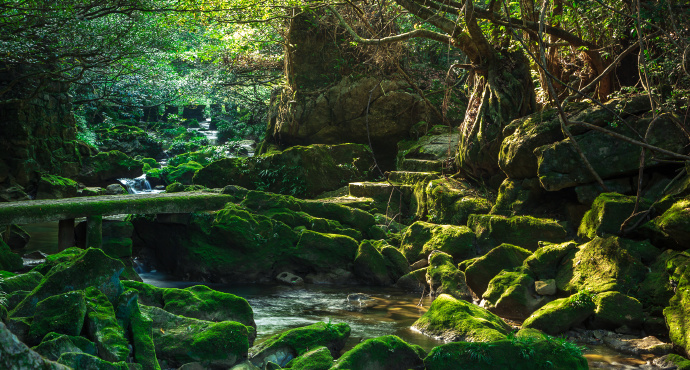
(138, 185)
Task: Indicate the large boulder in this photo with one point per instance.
(608, 213)
(27, 281)
(602, 264)
(282, 348)
(672, 228)
(316, 359)
(379, 267)
(448, 201)
(528, 349)
(61, 313)
(457, 320)
(9, 261)
(511, 295)
(518, 197)
(544, 263)
(560, 166)
(54, 345)
(444, 277)
(615, 309)
(422, 237)
(562, 314)
(16, 355)
(524, 231)
(383, 353)
(181, 340)
(105, 168)
(484, 268)
(103, 329)
(56, 187)
(304, 171)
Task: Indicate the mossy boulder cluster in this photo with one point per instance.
(76, 313)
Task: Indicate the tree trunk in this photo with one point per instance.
(503, 93)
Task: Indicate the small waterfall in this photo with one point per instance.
(137, 185)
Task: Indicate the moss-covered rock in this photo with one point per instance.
(524, 231)
(458, 320)
(608, 212)
(140, 329)
(444, 277)
(56, 187)
(414, 281)
(27, 281)
(105, 168)
(199, 302)
(16, 355)
(370, 266)
(671, 229)
(451, 202)
(484, 268)
(600, 265)
(53, 260)
(544, 262)
(18, 238)
(324, 251)
(102, 327)
(316, 359)
(281, 348)
(182, 173)
(527, 350)
(517, 197)
(91, 268)
(562, 314)
(615, 309)
(511, 295)
(80, 360)
(298, 170)
(54, 345)
(422, 237)
(61, 313)
(9, 261)
(658, 286)
(383, 353)
(180, 340)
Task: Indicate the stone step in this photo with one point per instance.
(378, 190)
(421, 165)
(411, 177)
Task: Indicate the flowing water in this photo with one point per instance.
(278, 308)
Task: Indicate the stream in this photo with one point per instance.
(278, 308)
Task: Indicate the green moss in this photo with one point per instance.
(457, 320)
(614, 309)
(608, 212)
(524, 231)
(85, 361)
(316, 359)
(179, 339)
(545, 261)
(656, 288)
(386, 352)
(6, 274)
(300, 340)
(103, 328)
(600, 265)
(182, 173)
(57, 258)
(27, 281)
(511, 295)
(503, 257)
(54, 345)
(445, 278)
(562, 314)
(671, 228)
(370, 266)
(682, 363)
(8, 260)
(325, 251)
(677, 316)
(62, 314)
(141, 332)
(452, 202)
(421, 238)
(518, 352)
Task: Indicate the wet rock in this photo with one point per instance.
(289, 278)
(483, 269)
(545, 261)
(62, 314)
(16, 355)
(511, 295)
(444, 278)
(608, 212)
(638, 346)
(54, 345)
(179, 339)
(115, 189)
(56, 187)
(316, 359)
(601, 265)
(528, 349)
(525, 231)
(615, 309)
(379, 264)
(415, 281)
(545, 287)
(80, 360)
(558, 316)
(386, 352)
(422, 237)
(458, 320)
(281, 348)
(424, 262)
(198, 302)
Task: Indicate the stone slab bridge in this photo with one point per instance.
(94, 208)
